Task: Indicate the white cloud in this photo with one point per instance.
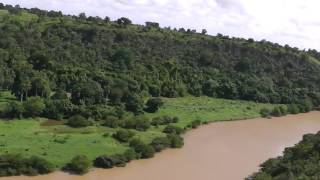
(292, 22)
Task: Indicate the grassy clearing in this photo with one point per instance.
(59, 143)
(208, 109)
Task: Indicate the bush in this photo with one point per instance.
(283, 110)
(276, 112)
(173, 130)
(175, 140)
(103, 162)
(144, 151)
(130, 154)
(293, 109)
(34, 106)
(164, 120)
(140, 123)
(14, 110)
(111, 121)
(265, 112)
(305, 106)
(78, 121)
(15, 165)
(194, 124)
(123, 135)
(79, 164)
(160, 143)
(153, 105)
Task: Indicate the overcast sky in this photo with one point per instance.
(293, 22)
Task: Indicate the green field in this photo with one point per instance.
(59, 143)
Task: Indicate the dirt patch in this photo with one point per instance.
(51, 122)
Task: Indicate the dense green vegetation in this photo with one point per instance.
(128, 91)
(96, 67)
(298, 162)
(58, 143)
(15, 165)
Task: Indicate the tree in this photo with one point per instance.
(204, 32)
(79, 164)
(34, 106)
(152, 25)
(134, 104)
(124, 21)
(153, 104)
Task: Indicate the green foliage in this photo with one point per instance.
(276, 112)
(34, 106)
(265, 112)
(170, 129)
(78, 121)
(15, 165)
(160, 143)
(194, 124)
(176, 141)
(123, 135)
(143, 150)
(164, 120)
(140, 123)
(153, 105)
(293, 109)
(298, 162)
(79, 164)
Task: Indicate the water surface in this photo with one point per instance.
(218, 151)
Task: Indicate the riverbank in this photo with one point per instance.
(59, 143)
(212, 151)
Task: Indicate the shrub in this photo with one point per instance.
(130, 154)
(15, 165)
(79, 164)
(123, 135)
(160, 143)
(34, 106)
(276, 112)
(305, 106)
(194, 124)
(140, 123)
(175, 140)
(103, 162)
(111, 121)
(293, 109)
(173, 130)
(164, 120)
(283, 110)
(14, 110)
(78, 121)
(144, 151)
(265, 112)
(153, 105)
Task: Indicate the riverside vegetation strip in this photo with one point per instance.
(59, 143)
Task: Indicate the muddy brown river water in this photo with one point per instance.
(218, 151)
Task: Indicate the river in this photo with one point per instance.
(218, 151)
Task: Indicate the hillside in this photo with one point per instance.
(42, 52)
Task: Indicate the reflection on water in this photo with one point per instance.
(219, 151)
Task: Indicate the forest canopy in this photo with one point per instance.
(94, 66)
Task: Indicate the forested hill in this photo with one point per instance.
(97, 60)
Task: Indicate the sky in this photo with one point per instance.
(293, 22)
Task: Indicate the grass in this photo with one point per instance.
(59, 143)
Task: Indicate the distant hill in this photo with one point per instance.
(96, 59)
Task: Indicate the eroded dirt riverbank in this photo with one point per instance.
(218, 151)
